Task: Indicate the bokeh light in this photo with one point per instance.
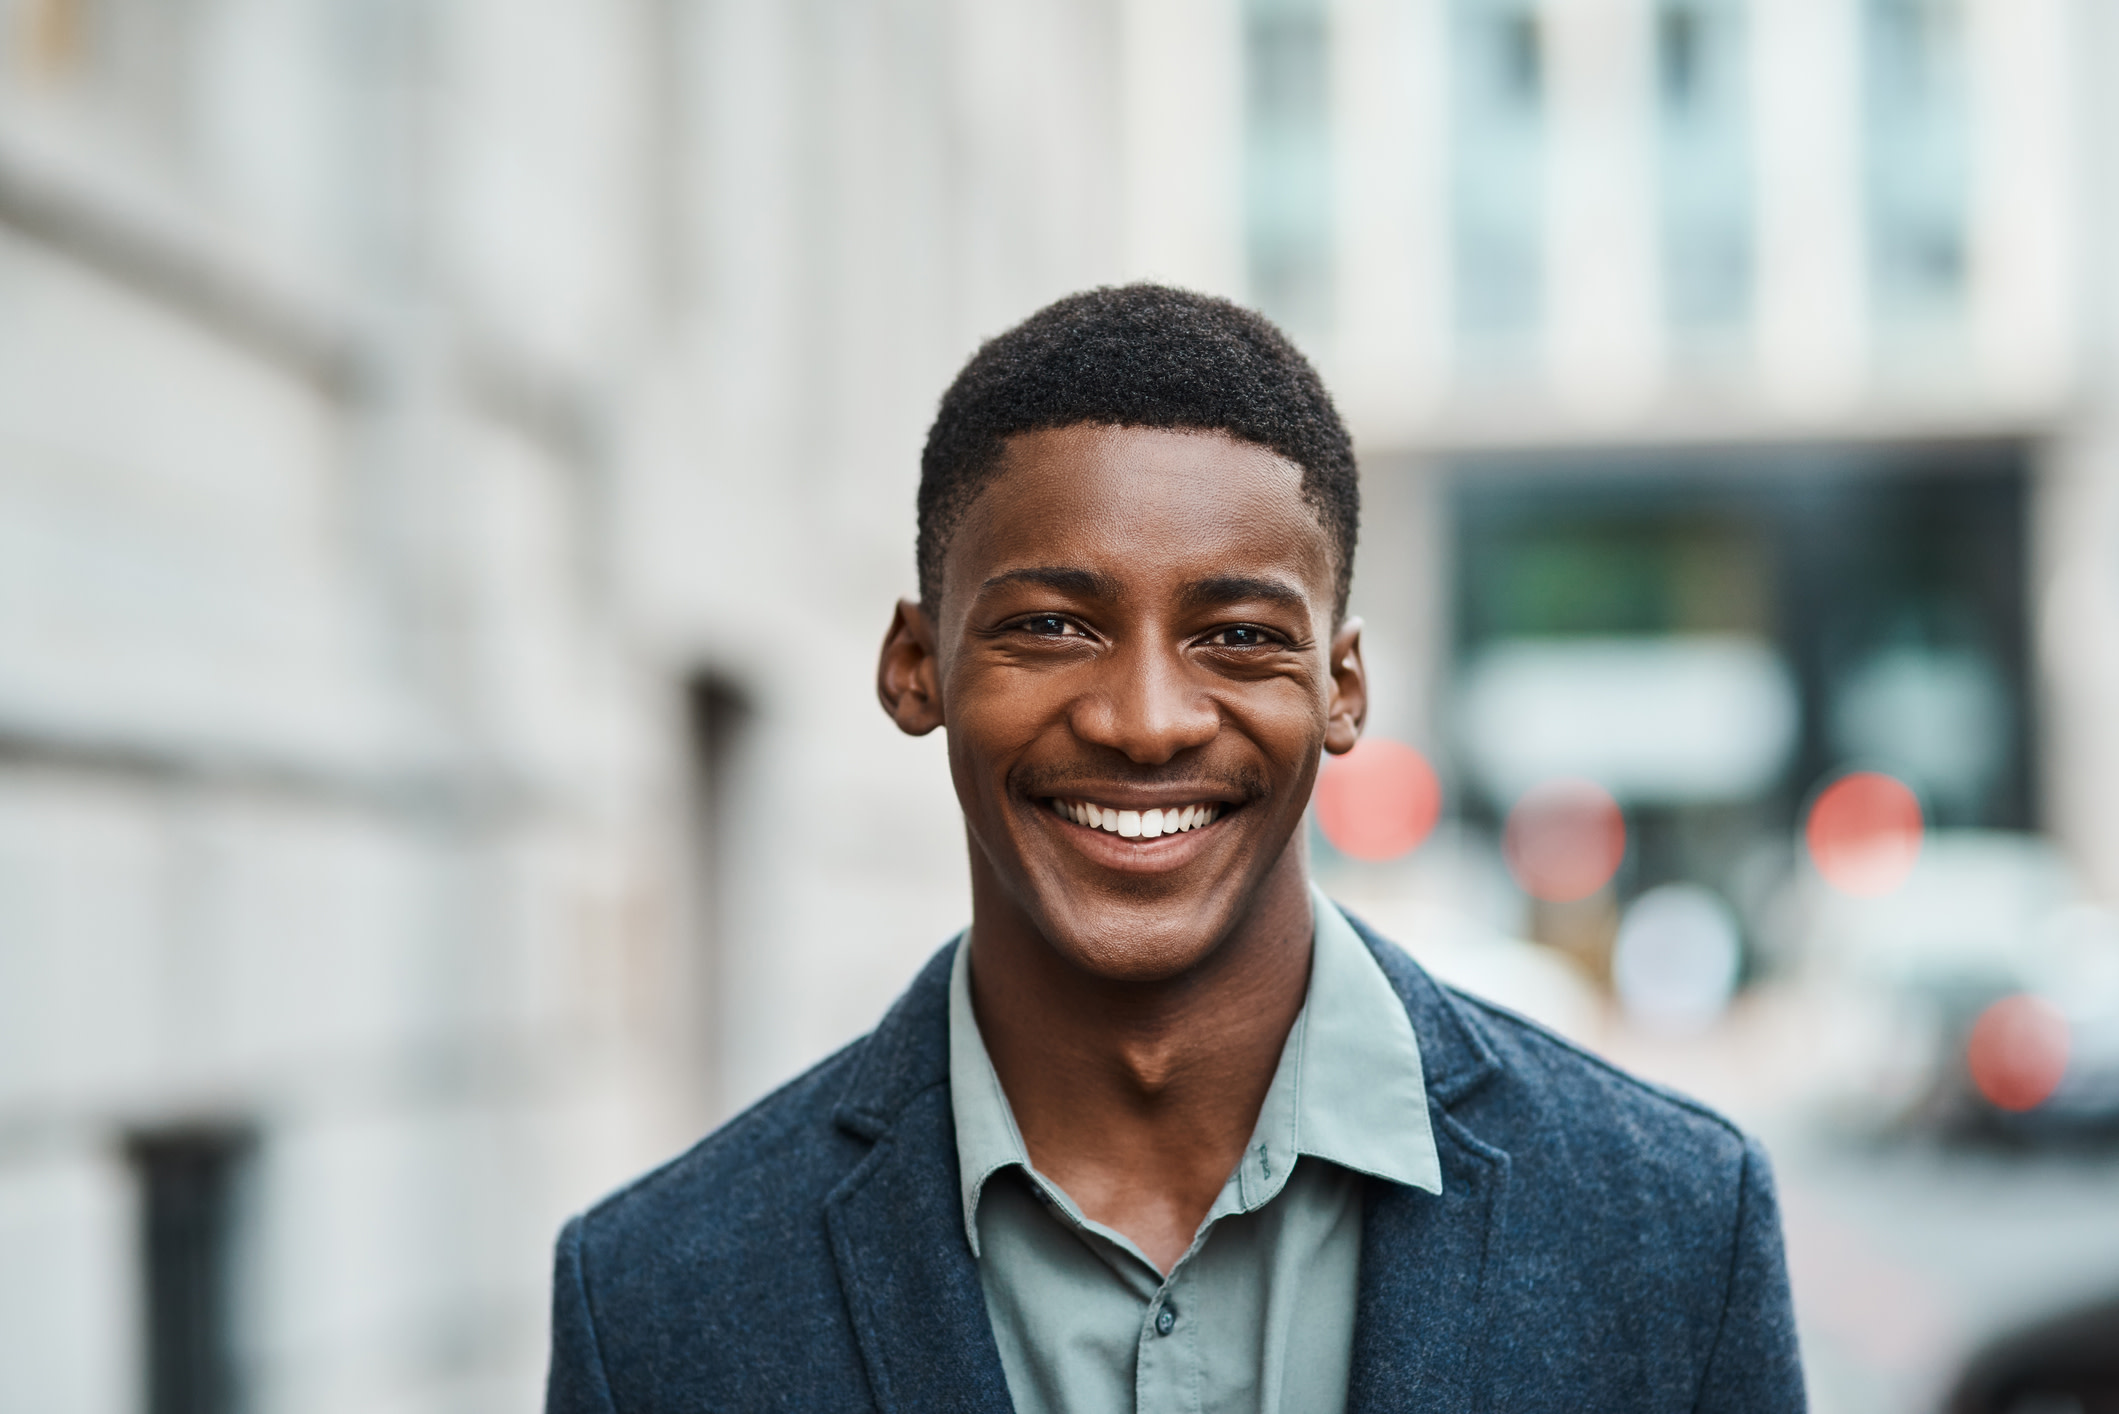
(1378, 801)
(2018, 1051)
(1676, 959)
(1564, 840)
(1864, 833)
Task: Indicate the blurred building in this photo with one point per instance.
(1677, 329)
(455, 465)
(456, 461)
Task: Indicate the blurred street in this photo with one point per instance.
(1904, 1257)
(1906, 1250)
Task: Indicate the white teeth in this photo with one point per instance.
(1137, 824)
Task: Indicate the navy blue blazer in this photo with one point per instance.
(1598, 1244)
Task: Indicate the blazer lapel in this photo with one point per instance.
(1424, 1265)
(897, 1227)
(1427, 1260)
(897, 1234)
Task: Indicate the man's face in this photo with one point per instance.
(1136, 663)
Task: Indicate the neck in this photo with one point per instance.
(1138, 1098)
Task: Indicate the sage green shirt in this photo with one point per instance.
(1258, 1315)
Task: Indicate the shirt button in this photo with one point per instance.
(1165, 1321)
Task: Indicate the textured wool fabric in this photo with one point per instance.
(1599, 1244)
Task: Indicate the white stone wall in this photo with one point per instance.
(256, 866)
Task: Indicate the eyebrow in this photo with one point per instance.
(1199, 594)
(1232, 588)
(1087, 584)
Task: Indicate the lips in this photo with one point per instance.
(1138, 824)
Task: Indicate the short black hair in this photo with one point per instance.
(1137, 356)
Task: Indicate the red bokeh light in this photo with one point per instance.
(1864, 833)
(1379, 800)
(2018, 1051)
(1564, 840)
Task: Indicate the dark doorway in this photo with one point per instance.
(189, 1180)
(718, 719)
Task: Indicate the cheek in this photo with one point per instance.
(1287, 721)
(990, 723)
(1293, 745)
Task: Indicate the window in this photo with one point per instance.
(1704, 165)
(1917, 159)
(1497, 169)
(1287, 160)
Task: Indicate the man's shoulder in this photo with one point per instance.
(1503, 1080)
(716, 1275)
(1631, 1234)
(1615, 1180)
(1590, 1098)
(759, 1181)
(781, 1150)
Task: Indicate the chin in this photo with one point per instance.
(1138, 942)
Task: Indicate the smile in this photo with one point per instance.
(1137, 824)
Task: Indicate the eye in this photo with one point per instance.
(1241, 636)
(1048, 626)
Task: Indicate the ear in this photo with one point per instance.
(908, 674)
(1347, 705)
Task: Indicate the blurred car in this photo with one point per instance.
(1982, 995)
(2066, 1364)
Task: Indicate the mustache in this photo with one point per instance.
(1188, 780)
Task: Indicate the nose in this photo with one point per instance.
(1145, 705)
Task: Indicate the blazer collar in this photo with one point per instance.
(907, 1053)
(1454, 1051)
(1427, 1261)
(911, 1286)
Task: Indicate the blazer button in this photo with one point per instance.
(1165, 1321)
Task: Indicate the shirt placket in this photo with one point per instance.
(1167, 1372)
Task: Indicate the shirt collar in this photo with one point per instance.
(987, 1140)
(1348, 1088)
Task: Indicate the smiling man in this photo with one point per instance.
(1165, 1130)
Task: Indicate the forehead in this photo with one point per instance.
(1128, 500)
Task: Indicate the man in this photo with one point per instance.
(1164, 1130)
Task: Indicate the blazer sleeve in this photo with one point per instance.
(576, 1382)
(1755, 1366)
